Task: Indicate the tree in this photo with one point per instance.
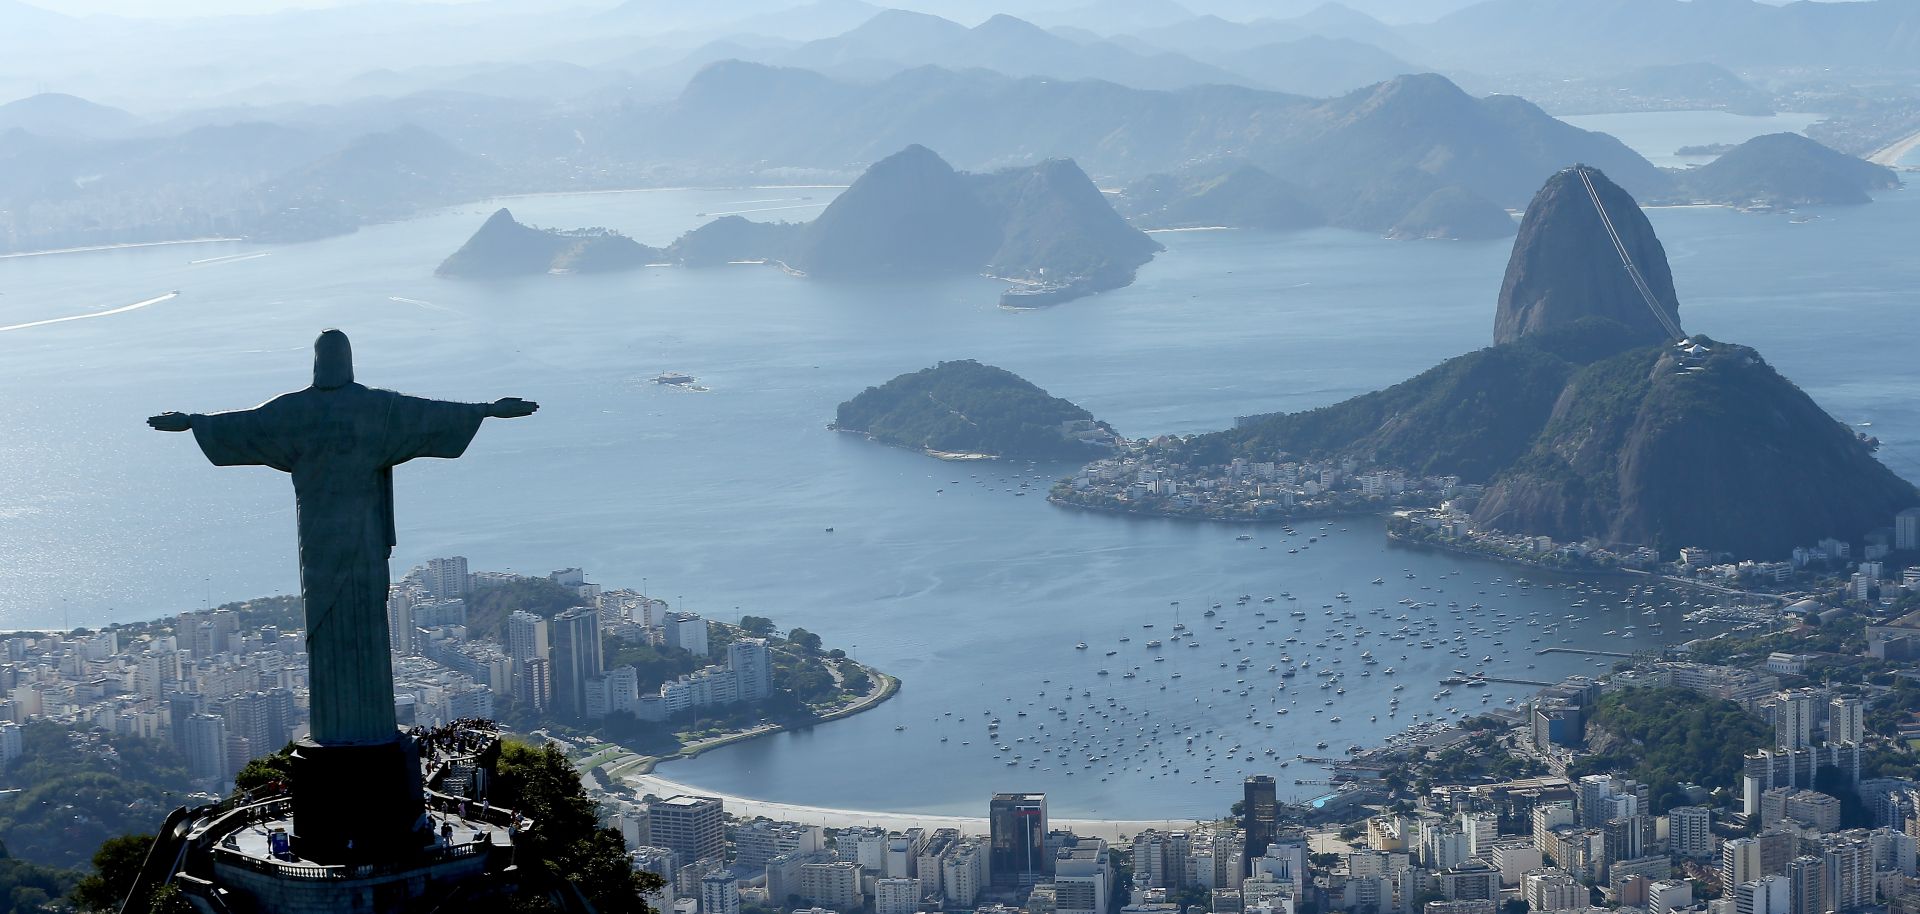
(805, 640)
(758, 626)
(115, 867)
(566, 840)
(265, 770)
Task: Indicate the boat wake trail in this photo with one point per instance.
(82, 317)
(229, 258)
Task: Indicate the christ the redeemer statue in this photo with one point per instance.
(340, 441)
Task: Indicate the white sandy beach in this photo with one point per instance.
(1110, 829)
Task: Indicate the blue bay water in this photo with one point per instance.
(937, 572)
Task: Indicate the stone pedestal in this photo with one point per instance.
(355, 804)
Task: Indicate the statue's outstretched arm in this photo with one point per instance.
(171, 422)
(510, 408)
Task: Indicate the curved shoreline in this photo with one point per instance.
(1274, 520)
(1891, 154)
(830, 817)
(635, 765)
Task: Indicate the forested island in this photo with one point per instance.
(965, 409)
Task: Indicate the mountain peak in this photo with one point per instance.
(1565, 266)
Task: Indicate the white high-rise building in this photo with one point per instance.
(1766, 895)
(400, 620)
(10, 747)
(896, 895)
(1690, 832)
(1906, 529)
(447, 578)
(1847, 720)
(1481, 829)
(752, 667)
(1669, 895)
(1793, 712)
(1553, 890)
(1082, 878)
(687, 632)
(526, 636)
(719, 894)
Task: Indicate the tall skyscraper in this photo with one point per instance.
(207, 748)
(693, 827)
(526, 636)
(447, 578)
(400, 620)
(1017, 825)
(1906, 529)
(752, 666)
(1793, 719)
(577, 658)
(1847, 720)
(719, 894)
(1259, 815)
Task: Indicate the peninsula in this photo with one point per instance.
(1594, 422)
(965, 409)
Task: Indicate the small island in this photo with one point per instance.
(1704, 149)
(506, 247)
(965, 410)
(1785, 169)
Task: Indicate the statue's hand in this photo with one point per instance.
(171, 422)
(511, 408)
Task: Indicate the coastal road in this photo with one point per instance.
(1110, 829)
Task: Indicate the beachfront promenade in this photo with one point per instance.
(746, 807)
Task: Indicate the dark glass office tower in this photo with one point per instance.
(1018, 825)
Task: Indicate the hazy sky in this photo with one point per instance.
(185, 8)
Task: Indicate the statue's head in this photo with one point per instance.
(332, 360)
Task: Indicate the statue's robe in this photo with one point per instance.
(341, 445)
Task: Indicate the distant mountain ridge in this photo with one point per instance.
(1365, 160)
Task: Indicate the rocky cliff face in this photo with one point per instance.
(1587, 423)
(1704, 446)
(1564, 266)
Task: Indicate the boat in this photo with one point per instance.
(1081, 646)
(1041, 294)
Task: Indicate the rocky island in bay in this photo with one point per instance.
(964, 409)
(1045, 227)
(505, 247)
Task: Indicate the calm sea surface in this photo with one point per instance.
(942, 573)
